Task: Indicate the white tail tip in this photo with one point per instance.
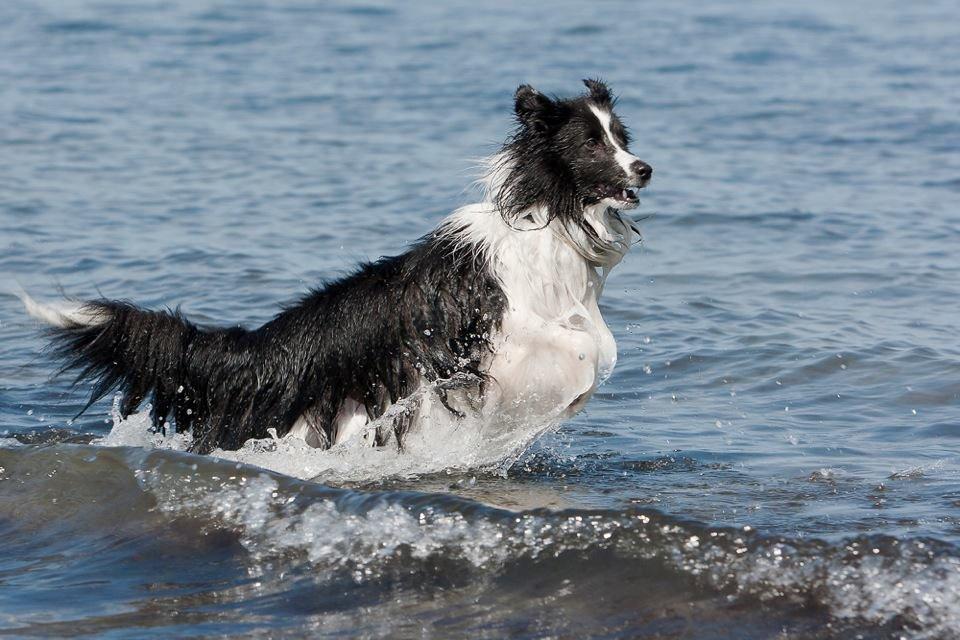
(66, 314)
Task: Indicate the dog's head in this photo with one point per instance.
(569, 154)
(568, 161)
(582, 141)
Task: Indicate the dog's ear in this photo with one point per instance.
(532, 107)
(599, 91)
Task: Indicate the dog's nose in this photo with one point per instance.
(642, 170)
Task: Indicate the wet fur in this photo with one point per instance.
(372, 336)
(431, 315)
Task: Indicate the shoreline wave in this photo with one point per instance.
(366, 538)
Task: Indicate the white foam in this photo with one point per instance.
(452, 446)
(865, 585)
(853, 581)
(333, 538)
(445, 445)
(137, 431)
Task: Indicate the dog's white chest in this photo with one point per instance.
(554, 347)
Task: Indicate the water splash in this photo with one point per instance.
(446, 444)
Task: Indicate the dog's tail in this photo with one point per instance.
(200, 376)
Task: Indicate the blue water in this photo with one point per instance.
(778, 450)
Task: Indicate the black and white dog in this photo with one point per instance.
(494, 314)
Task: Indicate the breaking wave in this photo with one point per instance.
(640, 563)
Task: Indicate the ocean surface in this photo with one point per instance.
(777, 454)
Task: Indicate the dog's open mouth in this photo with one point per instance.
(627, 196)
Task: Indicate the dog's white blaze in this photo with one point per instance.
(623, 157)
(64, 315)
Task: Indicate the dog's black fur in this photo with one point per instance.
(374, 336)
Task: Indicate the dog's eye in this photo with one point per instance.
(592, 143)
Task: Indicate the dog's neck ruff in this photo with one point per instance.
(602, 237)
(537, 256)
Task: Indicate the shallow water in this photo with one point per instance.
(776, 452)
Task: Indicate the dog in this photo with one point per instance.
(493, 315)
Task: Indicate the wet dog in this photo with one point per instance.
(495, 313)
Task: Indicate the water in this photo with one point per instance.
(776, 453)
